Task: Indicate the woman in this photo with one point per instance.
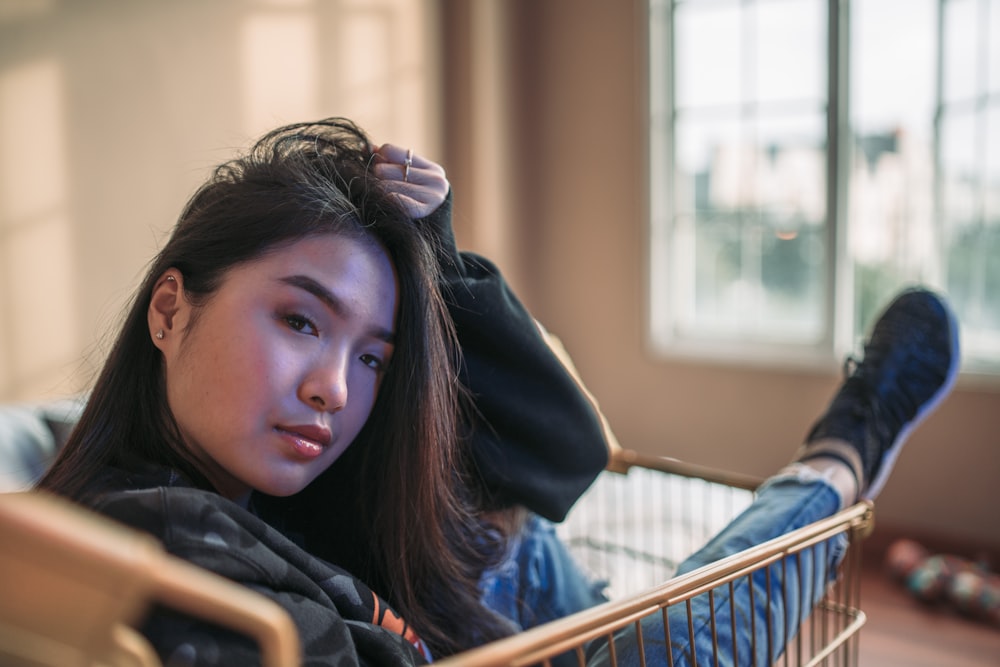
(294, 320)
(295, 312)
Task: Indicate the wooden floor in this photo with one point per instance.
(903, 631)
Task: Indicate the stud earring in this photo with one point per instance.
(159, 334)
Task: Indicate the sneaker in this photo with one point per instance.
(910, 364)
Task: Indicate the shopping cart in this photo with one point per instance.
(632, 529)
(639, 520)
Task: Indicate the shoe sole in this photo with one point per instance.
(889, 460)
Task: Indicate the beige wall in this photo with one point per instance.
(574, 113)
(112, 111)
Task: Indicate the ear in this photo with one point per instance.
(166, 309)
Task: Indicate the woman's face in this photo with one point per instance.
(280, 371)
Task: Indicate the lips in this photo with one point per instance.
(307, 440)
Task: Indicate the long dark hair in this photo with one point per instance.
(417, 536)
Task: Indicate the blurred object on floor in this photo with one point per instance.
(964, 584)
(902, 631)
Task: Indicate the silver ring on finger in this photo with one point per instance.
(407, 163)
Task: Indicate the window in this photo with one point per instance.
(811, 157)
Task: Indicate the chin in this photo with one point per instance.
(283, 488)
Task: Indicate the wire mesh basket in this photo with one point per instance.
(637, 523)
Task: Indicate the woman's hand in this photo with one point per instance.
(420, 184)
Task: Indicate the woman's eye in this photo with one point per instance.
(301, 324)
(371, 361)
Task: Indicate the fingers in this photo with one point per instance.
(419, 198)
(397, 163)
(421, 185)
(414, 209)
(397, 154)
(396, 178)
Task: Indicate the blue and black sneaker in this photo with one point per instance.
(909, 366)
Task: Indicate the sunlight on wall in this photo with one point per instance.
(372, 60)
(387, 86)
(111, 114)
(279, 68)
(38, 336)
(19, 9)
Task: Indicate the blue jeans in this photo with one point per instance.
(783, 504)
(539, 581)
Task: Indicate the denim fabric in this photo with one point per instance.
(783, 504)
(540, 582)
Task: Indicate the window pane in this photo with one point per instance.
(993, 46)
(703, 146)
(771, 163)
(958, 167)
(754, 275)
(972, 279)
(971, 206)
(791, 50)
(747, 256)
(707, 44)
(892, 234)
(893, 79)
(753, 254)
(791, 166)
(991, 174)
(959, 49)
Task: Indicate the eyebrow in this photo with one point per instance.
(333, 302)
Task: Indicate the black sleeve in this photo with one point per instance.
(536, 439)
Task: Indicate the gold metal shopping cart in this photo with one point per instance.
(74, 583)
(640, 519)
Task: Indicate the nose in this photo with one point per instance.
(325, 387)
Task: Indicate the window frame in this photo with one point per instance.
(841, 336)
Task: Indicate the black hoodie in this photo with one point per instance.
(538, 441)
